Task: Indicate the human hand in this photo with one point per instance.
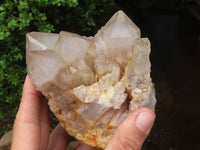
(32, 127)
(133, 131)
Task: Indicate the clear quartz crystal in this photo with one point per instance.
(92, 84)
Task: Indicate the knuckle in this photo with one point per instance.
(128, 144)
(24, 122)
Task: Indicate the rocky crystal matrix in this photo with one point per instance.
(92, 83)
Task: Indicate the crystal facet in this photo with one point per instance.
(92, 83)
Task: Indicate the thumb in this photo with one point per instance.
(132, 132)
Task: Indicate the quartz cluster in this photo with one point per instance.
(92, 83)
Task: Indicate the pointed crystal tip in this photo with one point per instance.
(40, 41)
(120, 31)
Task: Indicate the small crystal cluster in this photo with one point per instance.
(92, 83)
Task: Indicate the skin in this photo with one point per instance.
(32, 127)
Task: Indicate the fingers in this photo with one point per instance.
(84, 147)
(58, 139)
(131, 134)
(44, 125)
(26, 134)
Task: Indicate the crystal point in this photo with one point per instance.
(120, 31)
(35, 41)
(92, 83)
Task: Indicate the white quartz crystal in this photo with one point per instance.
(92, 84)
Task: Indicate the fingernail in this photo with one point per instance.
(144, 121)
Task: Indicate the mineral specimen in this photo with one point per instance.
(92, 83)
